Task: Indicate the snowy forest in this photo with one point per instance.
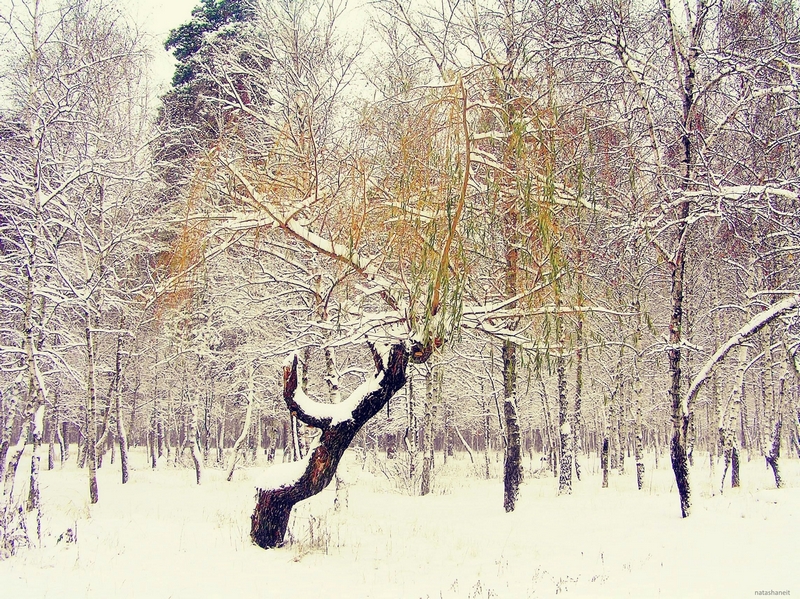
(516, 250)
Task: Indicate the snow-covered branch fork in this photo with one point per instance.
(339, 424)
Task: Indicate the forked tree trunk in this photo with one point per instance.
(339, 424)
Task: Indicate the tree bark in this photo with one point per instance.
(432, 397)
(274, 505)
(245, 427)
(465, 444)
(685, 47)
(775, 447)
(411, 438)
(194, 439)
(512, 465)
(91, 411)
(487, 419)
(577, 433)
(34, 497)
(547, 441)
(565, 434)
(8, 430)
(775, 452)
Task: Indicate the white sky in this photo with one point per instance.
(157, 18)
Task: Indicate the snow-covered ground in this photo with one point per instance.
(162, 536)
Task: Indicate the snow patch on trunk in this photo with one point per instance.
(38, 422)
(284, 475)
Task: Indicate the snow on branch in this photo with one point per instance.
(323, 415)
(740, 191)
(753, 326)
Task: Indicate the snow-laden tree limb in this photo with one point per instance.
(753, 326)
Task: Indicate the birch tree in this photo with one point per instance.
(692, 84)
(80, 109)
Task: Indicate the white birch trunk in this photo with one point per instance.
(246, 427)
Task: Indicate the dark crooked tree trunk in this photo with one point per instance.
(604, 462)
(273, 506)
